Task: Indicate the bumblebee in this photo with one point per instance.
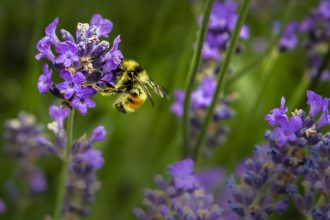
(132, 83)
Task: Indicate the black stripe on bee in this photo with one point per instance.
(138, 69)
(120, 107)
(130, 100)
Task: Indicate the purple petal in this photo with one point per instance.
(66, 75)
(78, 78)
(115, 43)
(44, 48)
(90, 103)
(99, 134)
(315, 103)
(51, 31)
(42, 84)
(102, 26)
(295, 124)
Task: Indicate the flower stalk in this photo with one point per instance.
(219, 88)
(64, 172)
(195, 61)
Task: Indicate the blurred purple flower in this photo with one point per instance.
(58, 114)
(3, 207)
(21, 143)
(38, 182)
(289, 39)
(178, 201)
(99, 134)
(221, 25)
(84, 162)
(182, 174)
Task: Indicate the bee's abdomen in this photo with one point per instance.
(128, 103)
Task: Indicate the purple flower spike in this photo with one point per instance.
(101, 26)
(93, 158)
(68, 51)
(221, 25)
(71, 84)
(58, 114)
(82, 100)
(182, 173)
(99, 134)
(51, 32)
(45, 80)
(79, 59)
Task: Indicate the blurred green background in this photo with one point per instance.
(159, 35)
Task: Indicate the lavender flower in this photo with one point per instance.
(82, 183)
(315, 33)
(21, 137)
(201, 99)
(84, 162)
(222, 22)
(296, 156)
(182, 197)
(289, 39)
(80, 61)
(221, 25)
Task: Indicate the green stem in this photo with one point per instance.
(195, 61)
(64, 172)
(221, 77)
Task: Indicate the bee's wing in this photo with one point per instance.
(158, 89)
(145, 89)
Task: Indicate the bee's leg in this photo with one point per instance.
(106, 92)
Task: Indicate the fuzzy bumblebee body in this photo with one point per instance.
(131, 85)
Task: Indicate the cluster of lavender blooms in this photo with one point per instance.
(315, 29)
(222, 22)
(80, 61)
(294, 165)
(21, 137)
(182, 197)
(221, 25)
(84, 161)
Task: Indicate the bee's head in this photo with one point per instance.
(132, 67)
